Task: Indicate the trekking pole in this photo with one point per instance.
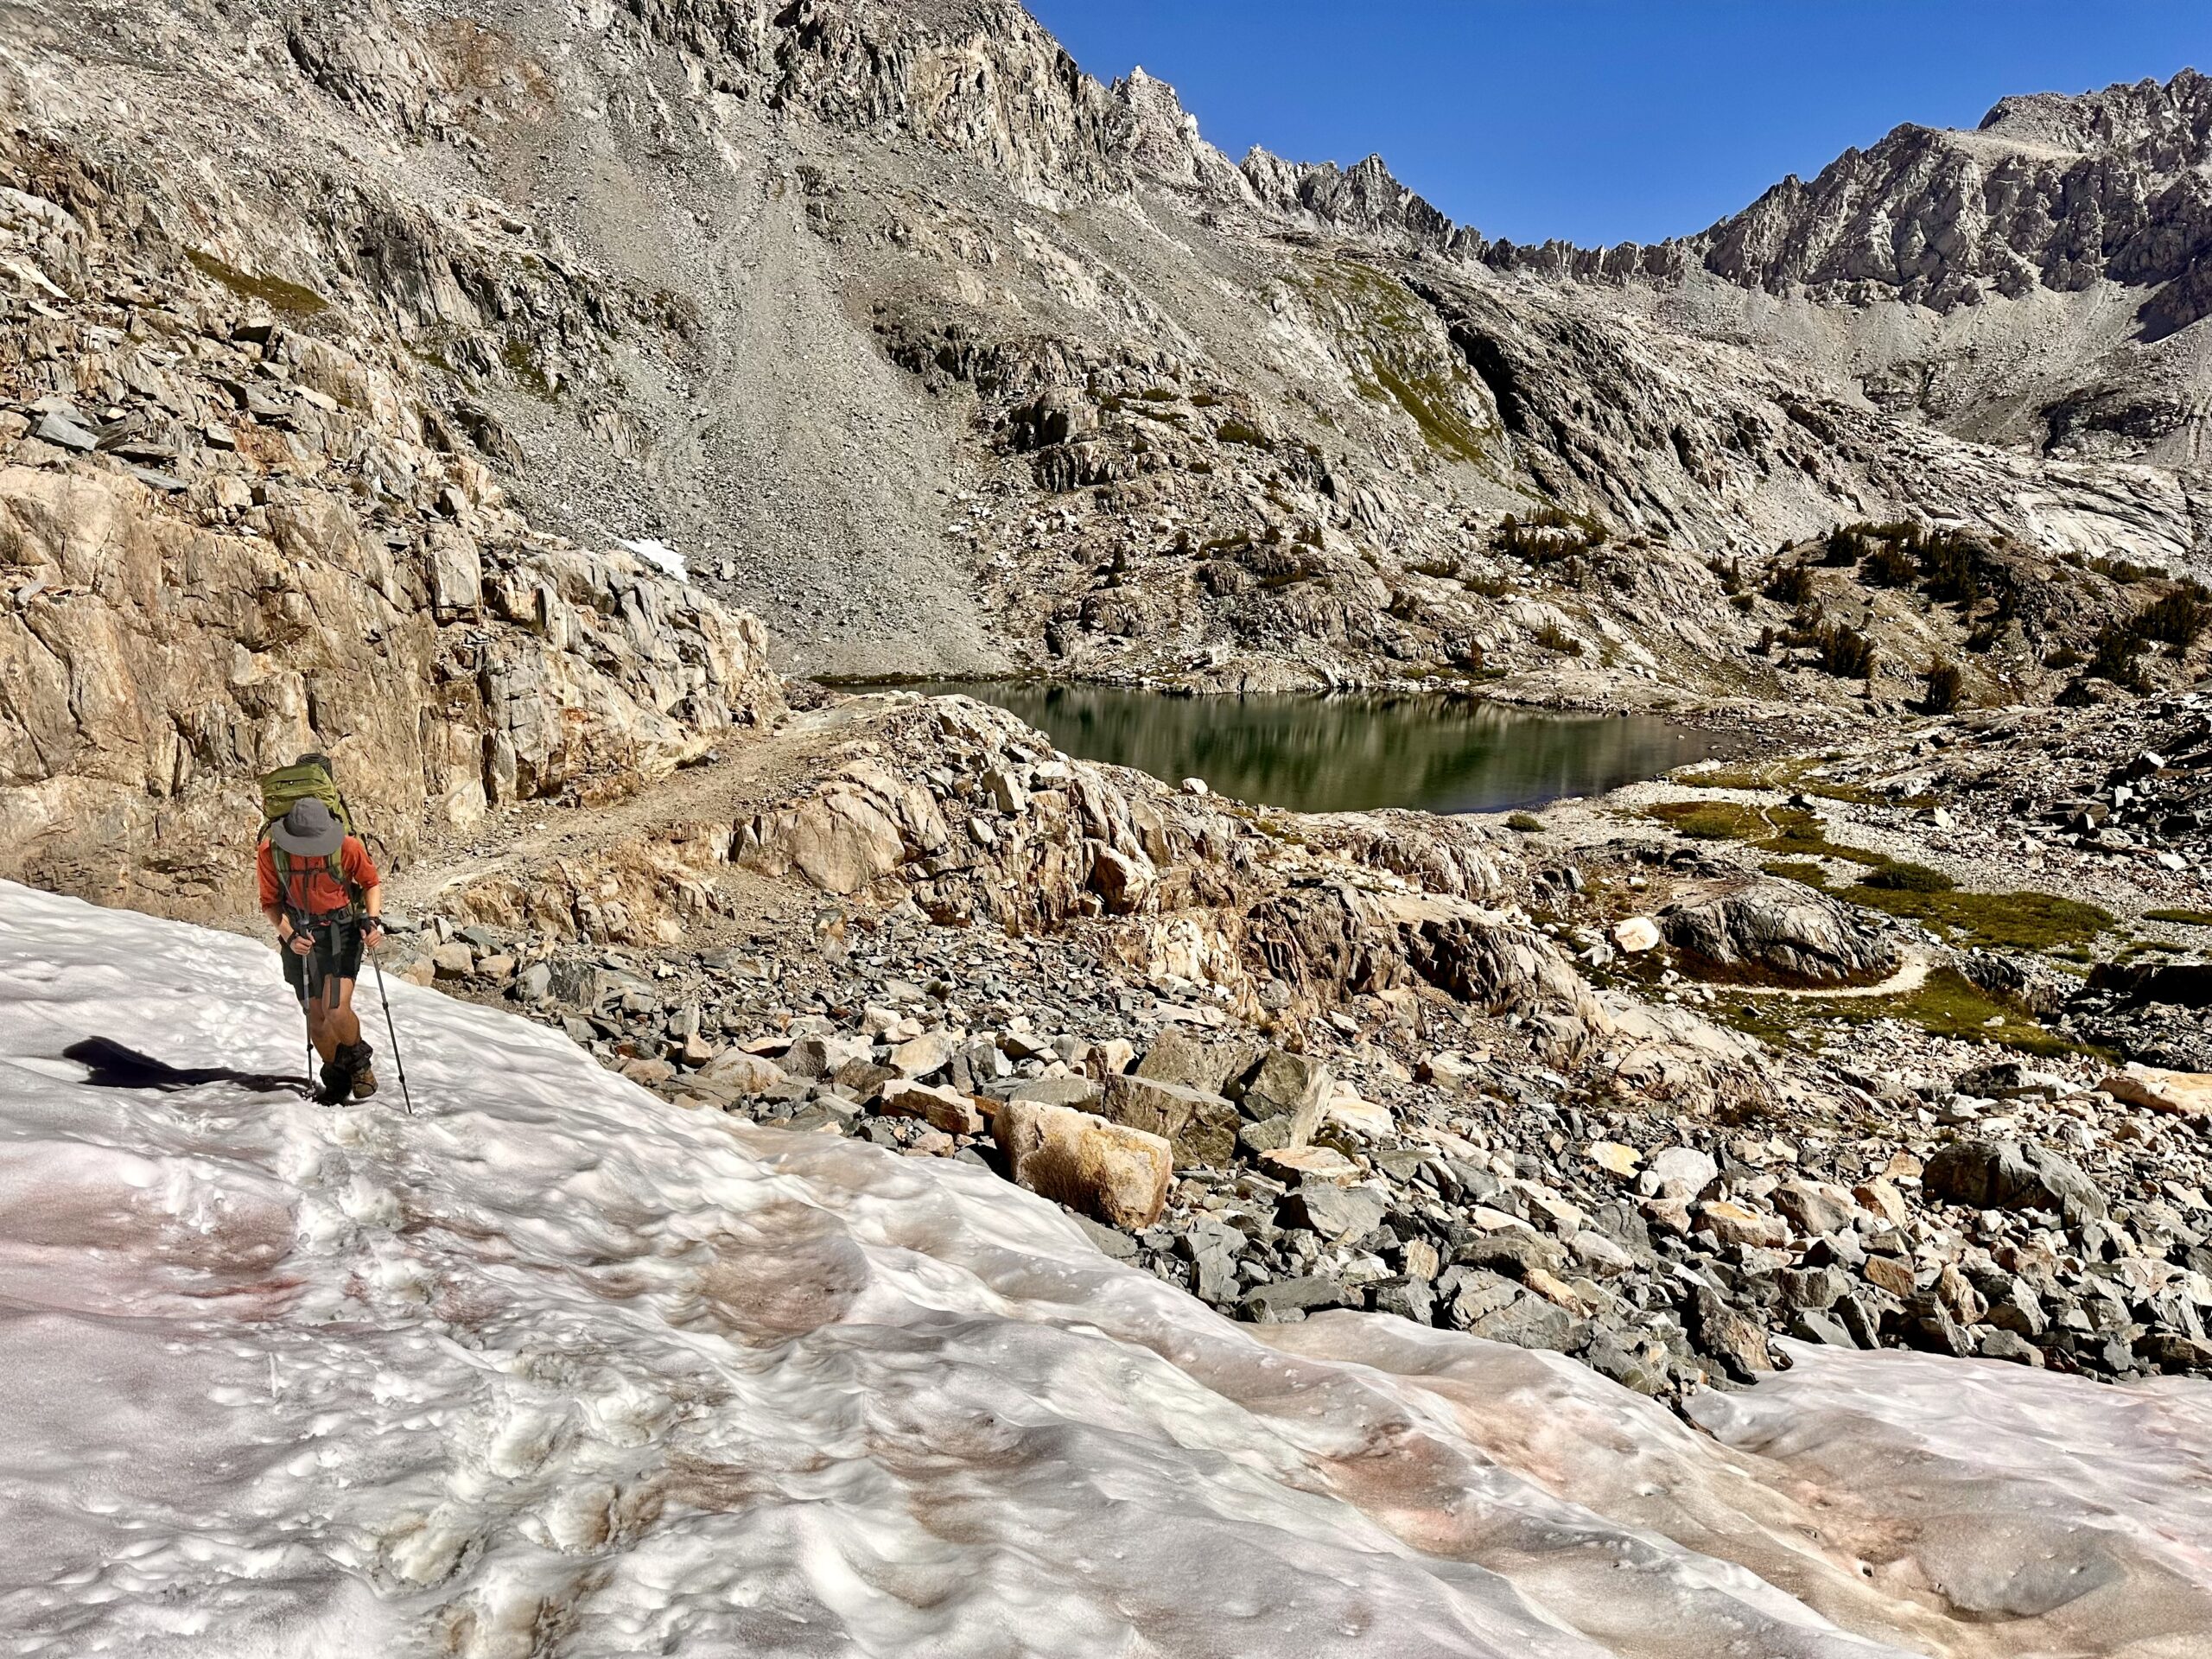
(392, 1032)
(307, 979)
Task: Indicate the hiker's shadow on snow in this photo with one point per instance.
(113, 1066)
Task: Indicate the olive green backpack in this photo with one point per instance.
(309, 777)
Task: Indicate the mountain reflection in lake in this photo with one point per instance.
(1348, 753)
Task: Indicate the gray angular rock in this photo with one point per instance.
(1294, 1299)
(1336, 1212)
(1409, 1297)
(1512, 1252)
(1288, 1086)
(1926, 1324)
(1680, 1172)
(1739, 1344)
(60, 429)
(2007, 1175)
(1529, 1321)
(1211, 1247)
(1811, 1324)
(2009, 1346)
(1182, 1056)
(923, 1056)
(1202, 1127)
(1081, 1093)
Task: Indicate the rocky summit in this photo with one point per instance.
(578, 420)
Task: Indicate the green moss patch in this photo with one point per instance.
(286, 299)
(1947, 1005)
(1899, 875)
(529, 374)
(1727, 820)
(1810, 875)
(2181, 918)
(1997, 921)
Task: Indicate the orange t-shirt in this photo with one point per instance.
(313, 888)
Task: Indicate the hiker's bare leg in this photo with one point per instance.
(331, 1023)
(344, 1025)
(324, 1046)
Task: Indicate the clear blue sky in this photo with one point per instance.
(1605, 120)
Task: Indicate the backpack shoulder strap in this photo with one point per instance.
(281, 861)
(335, 863)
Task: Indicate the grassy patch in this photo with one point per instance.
(288, 299)
(1998, 921)
(1427, 397)
(1901, 876)
(2183, 917)
(1789, 774)
(1527, 824)
(1948, 1005)
(1810, 875)
(1785, 830)
(529, 372)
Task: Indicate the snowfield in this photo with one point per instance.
(557, 1368)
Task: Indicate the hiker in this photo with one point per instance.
(321, 891)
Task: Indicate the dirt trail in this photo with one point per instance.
(749, 775)
(1910, 975)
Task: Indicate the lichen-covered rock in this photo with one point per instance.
(1201, 1127)
(1108, 1171)
(1777, 931)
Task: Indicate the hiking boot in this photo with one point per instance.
(356, 1058)
(337, 1083)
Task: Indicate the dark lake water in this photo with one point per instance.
(1348, 753)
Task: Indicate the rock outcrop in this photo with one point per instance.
(1779, 932)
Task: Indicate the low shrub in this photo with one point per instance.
(1845, 652)
(1790, 584)
(2114, 659)
(1996, 921)
(1888, 567)
(1946, 689)
(2177, 620)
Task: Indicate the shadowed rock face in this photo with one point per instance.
(1778, 930)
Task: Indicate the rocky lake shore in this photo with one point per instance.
(1606, 1085)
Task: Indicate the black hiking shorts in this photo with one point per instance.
(337, 955)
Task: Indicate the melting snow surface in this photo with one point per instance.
(661, 555)
(557, 1368)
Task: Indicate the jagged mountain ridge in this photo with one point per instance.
(942, 354)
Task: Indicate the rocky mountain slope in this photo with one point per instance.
(938, 353)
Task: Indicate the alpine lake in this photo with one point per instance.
(1356, 751)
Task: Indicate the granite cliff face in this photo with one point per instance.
(936, 353)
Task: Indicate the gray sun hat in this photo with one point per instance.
(311, 830)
